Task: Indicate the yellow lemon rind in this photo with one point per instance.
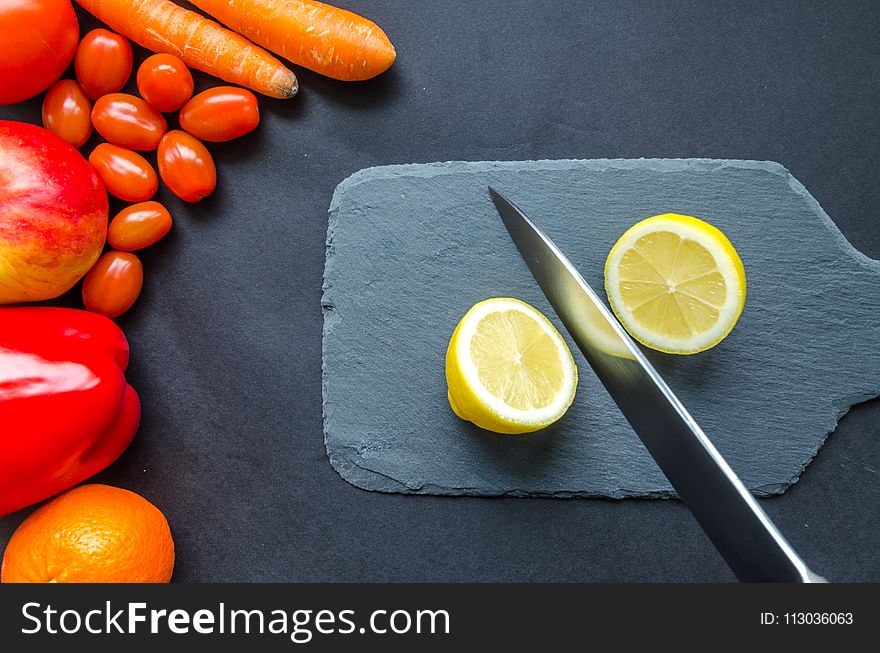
(731, 267)
(471, 402)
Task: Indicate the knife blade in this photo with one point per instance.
(743, 533)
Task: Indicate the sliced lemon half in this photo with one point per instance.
(507, 368)
(675, 283)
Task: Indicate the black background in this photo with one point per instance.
(226, 337)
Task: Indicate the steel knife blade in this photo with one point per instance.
(739, 528)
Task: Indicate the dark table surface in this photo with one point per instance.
(226, 338)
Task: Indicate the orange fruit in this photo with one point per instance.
(91, 534)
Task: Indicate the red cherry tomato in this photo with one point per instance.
(220, 114)
(103, 62)
(186, 166)
(37, 42)
(165, 82)
(128, 121)
(138, 226)
(125, 174)
(67, 112)
(113, 284)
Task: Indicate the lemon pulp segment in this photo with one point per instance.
(507, 368)
(516, 360)
(676, 283)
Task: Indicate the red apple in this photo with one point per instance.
(53, 214)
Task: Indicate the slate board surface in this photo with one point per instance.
(410, 248)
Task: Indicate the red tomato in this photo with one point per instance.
(165, 82)
(128, 121)
(186, 166)
(67, 112)
(125, 174)
(103, 62)
(113, 285)
(37, 42)
(220, 114)
(138, 226)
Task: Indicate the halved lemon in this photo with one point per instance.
(675, 283)
(507, 368)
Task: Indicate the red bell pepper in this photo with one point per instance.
(66, 411)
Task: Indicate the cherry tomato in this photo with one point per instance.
(128, 121)
(220, 114)
(113, 284)
(37, 42)
(67, 112)
(165, 82)
(186, 166)
(125, 174)
(138, 226)
(103, 62)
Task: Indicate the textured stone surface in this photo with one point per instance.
(410, 248)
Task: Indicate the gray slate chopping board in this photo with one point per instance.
(410, 248)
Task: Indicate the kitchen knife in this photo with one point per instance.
(738, 527)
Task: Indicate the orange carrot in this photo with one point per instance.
(162, 26)
(331, 41)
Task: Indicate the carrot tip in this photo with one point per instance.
(286, 83)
